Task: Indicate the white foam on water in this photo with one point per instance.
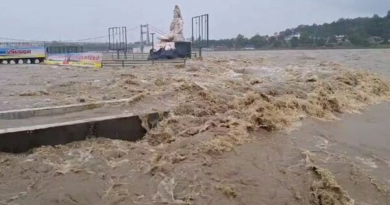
(368, 162)
(323, 143)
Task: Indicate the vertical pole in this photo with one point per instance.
(208, 21)
(152, 52)
(112, 39)
(152, 40)
(142, 40)
(120, 39)
(199, 37)
(109, 38)
(192, 31)
(147, 33)
(126, 42)
(115, 39)
(201, 31)
(196, 32)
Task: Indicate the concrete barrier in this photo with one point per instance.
(123, 127)
(59, 110)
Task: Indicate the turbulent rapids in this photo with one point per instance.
(224, 113)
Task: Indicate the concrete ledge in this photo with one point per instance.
(123, 127)
(59, 110)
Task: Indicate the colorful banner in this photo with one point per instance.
(78, 59)
(20, 53)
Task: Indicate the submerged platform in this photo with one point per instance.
(22, 130)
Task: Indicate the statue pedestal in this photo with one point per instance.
(184, 47)
(176, 50)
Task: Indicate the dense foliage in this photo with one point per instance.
(344, 32)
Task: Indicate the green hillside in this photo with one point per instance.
(359, 32)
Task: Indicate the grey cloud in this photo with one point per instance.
(75, 19)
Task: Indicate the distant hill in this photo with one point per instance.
(362, 32)
(357, 30)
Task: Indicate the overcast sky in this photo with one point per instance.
(79, 19)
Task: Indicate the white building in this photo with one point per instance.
(297, 35)
(340, 38)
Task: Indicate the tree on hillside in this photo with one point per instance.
(294, 42)
(305, 39)
(258, 41)
(359, 40)
(385, 40)
(286, 33)
(320, 42)
(357, 30)
(271, 40)
(333, 39)
(277, 43)
(241, 41)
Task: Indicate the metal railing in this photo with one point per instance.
(21, 44)
(129, 56)
(133, 56)
(126, 62)
(134, 59)
(64, 49)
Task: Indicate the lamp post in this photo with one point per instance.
(152, 40)
(152, 51)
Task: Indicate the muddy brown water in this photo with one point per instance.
(323, 162)
(269, 170)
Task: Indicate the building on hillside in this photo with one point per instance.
(340, 38)
(209, 49)
(375, 40)
(297, 35)
(222, 48)
(249, 47)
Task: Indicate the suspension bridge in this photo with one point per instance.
(139, 35)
